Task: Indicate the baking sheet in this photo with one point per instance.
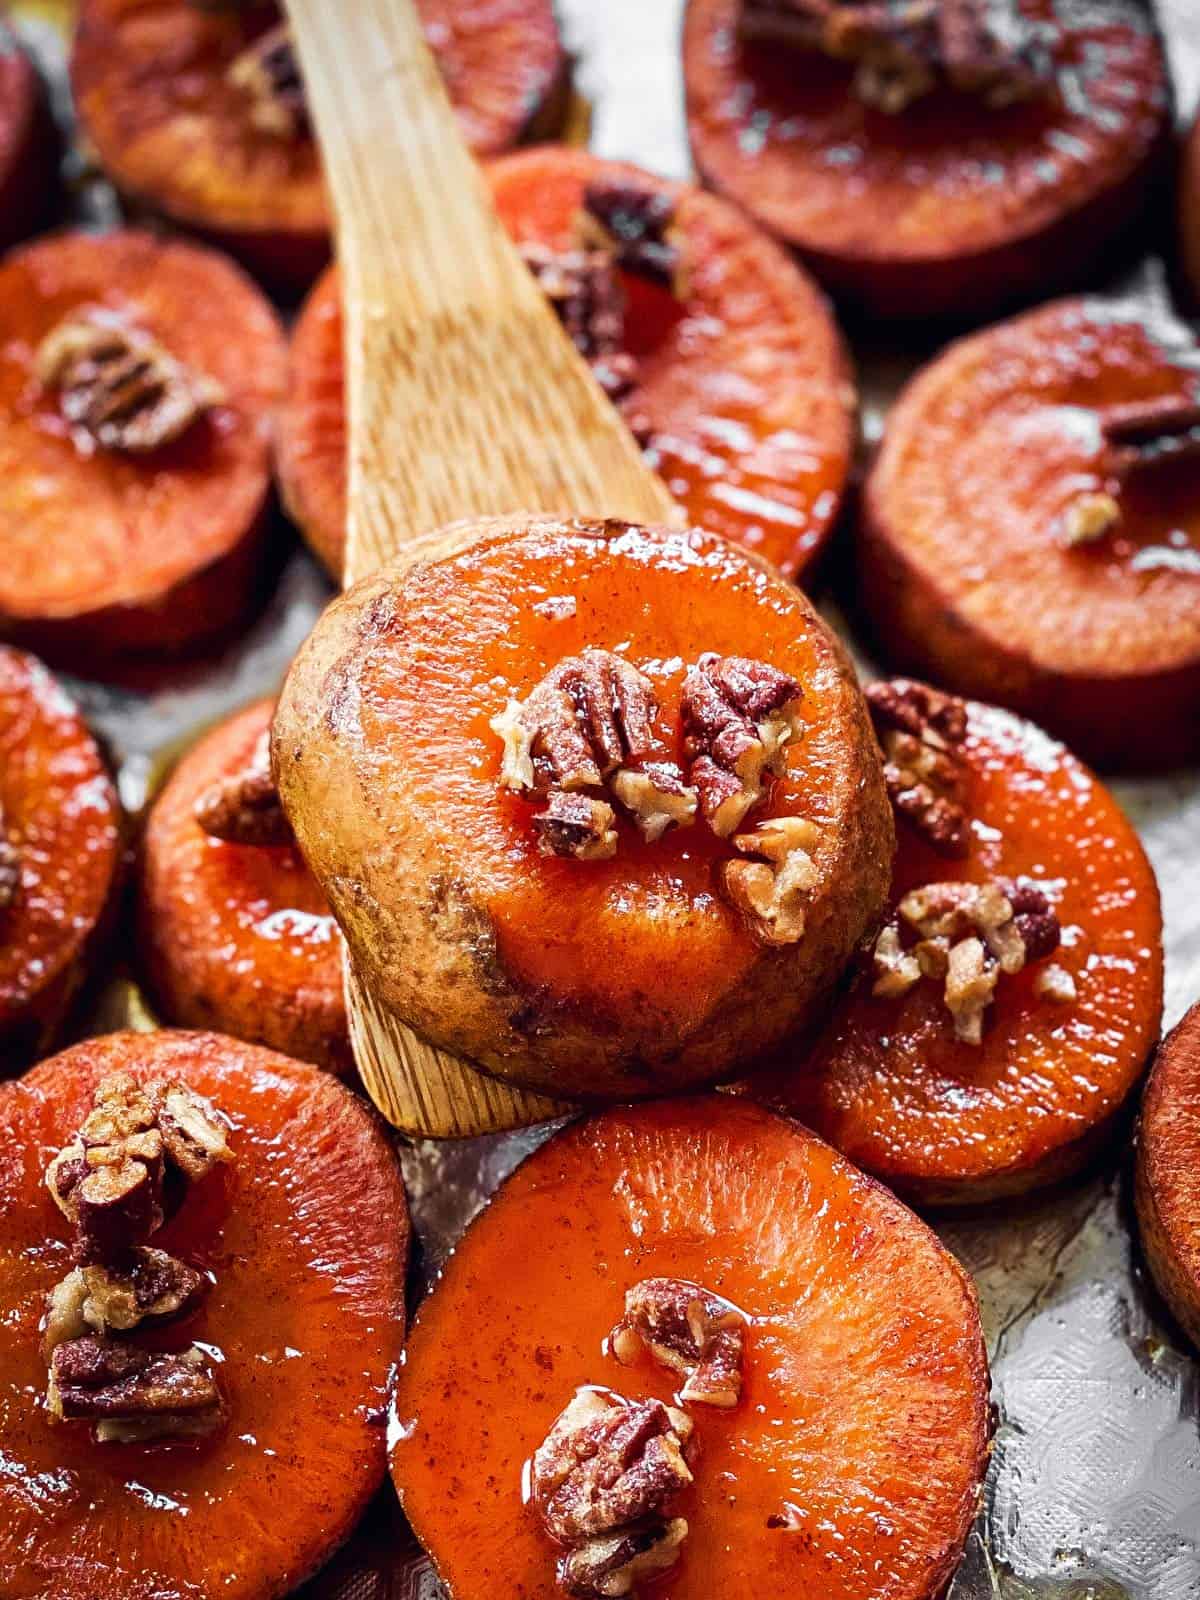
(1094, 1489)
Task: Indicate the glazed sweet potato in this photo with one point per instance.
(950, 206)
(303, 1236)
(236, 936)
(59, 853)
(742, 393)
(893, 1081)
(112, 546)
(28, 144)
(584, 951)
(163, 97)
(1168, 1172)
(850, 1462)
(1030, 533)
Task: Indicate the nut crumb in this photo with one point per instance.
(739, 718)
(1055, 983)
(1089, 517)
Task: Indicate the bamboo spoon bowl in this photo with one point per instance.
(464, 399)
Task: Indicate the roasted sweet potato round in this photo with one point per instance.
(741, 395)
(950, 205)
(1168, 1172)
(138, 378)
(167, 93)
(851, 1458)
(304, 1238)
(1030, 532)
(236, 936)
(1064, 1024)
(519, 919)
(59, 852)
(28, 143)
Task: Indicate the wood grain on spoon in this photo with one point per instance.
(464, 398)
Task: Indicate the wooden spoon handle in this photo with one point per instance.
(465, 397)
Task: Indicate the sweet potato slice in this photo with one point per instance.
(978, 565)
(950, 1122)
(233, 936)
(742, 397)
(112, 552)
(59, 851)
(850, 1465)
(28, 144)
(304, 1236)
(1168, 1172)
(465, 910)
(951, 206)
(152, 83)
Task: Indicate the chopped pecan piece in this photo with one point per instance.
(739, 717)
(268, 73)
(193, 1134)
(1147, 433)
(152, 1286)
(586, 293)
(130, 1392)
(689, 1330)
(119, 385)
(969, 934)
(1055, 983)
(615, 1564)
(635, 227)
(244, 808)
(607, 1464)
(576, 825)
(589, 725)
(772, 893)
(921, 732)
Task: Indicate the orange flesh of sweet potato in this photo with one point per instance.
(965, 570)
(59, 810)
(949, 206)
(744, 387)
(103, 554)
(647, 924)
(238, 937)
(863, 1421)
(1168, 1172)
(948, 1122)
(150, 81)
(306, 1238)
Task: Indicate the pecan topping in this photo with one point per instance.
(268, 73)
(739, 717)
(586, 293)
(903, 49)
(635, 227)
(689, 1330)
(606, 1464)
(244, 808)
(132, 1393)
(10, 868)
(109, 1180)
(921, 732)
(119, 385)
(616, 1564)
(153, 1287)
(967, 936)
(772, 893)
(589, 726)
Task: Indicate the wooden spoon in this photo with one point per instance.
(464, 398)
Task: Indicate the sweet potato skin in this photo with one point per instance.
(948, 1124)
(745, 386)
(60, 809)
(420, 928)
(237, 938)
(1168, 1160)
(251, 1513)
(827, 1264)
(1105, 656)
(150, 85)
(967, 254)
(134, 557)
